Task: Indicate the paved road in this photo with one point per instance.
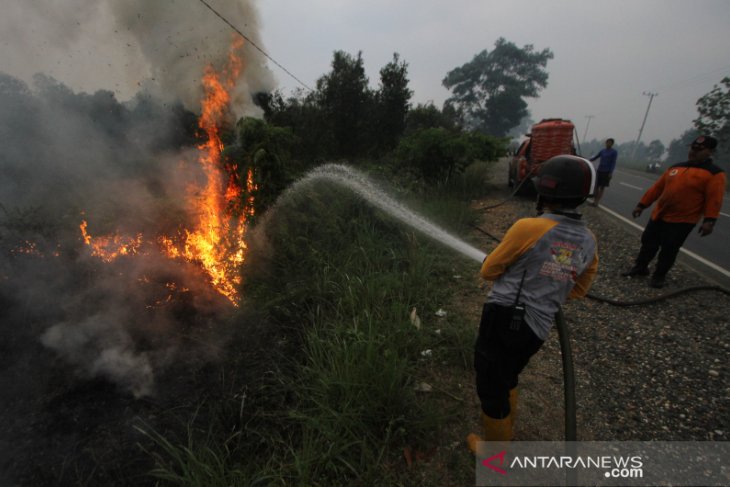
(713, 251)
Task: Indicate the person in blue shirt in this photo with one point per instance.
(604, 171)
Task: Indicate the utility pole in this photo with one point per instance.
(636, 144)
(589, 117)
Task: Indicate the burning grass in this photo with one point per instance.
(312, 380)
(119, 272)
(214, 234)
(341, 278)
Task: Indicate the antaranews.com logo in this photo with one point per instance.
(611, 466)
(603, 463)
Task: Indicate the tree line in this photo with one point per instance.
(343, 118)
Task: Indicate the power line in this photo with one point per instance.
(253, 44)
(699, 78)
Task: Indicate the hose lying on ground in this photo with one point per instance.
(491, 207)
(656, 299)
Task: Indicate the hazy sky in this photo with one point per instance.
(607, 53)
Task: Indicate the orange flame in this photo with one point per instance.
(108, 248)
(216, 241)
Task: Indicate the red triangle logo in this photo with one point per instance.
(499, 456)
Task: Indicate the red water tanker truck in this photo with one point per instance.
(551, 137)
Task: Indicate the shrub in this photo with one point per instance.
(437, 154)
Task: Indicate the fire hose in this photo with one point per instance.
(564, 338)
(568, 376)
(514, 193)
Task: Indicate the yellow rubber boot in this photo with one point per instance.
(497, 429)
(493, 430)
(471, 441)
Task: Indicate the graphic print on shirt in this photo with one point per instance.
(561, 268)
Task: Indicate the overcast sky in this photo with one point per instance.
(607, 53)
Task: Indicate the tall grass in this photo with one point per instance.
(341, 278)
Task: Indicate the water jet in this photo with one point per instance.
(363, 186)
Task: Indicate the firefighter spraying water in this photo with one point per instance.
(539, 264)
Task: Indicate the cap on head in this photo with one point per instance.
(568, 179)
(704, 142)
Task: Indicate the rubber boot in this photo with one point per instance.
(497, 429)
(493, 430)
(471, 441)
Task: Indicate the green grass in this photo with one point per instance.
(341, 279)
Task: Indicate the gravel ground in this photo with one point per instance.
(650, 372)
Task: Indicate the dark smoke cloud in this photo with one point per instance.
(124, 168)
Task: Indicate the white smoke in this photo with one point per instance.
(99, 347)
(162, 46)
(179, 37)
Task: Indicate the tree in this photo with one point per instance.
(714, 117)
(489, 91)
(714, 111)
(640, 154)
(302, 113)
(266, 151)
(393, 102)
(436, 154)
(428, 116)
(346, 101)
(655, 150)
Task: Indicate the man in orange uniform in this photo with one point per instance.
(539, 264)
(685, 192)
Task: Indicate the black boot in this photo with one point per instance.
(636, 271)
(657, 281)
